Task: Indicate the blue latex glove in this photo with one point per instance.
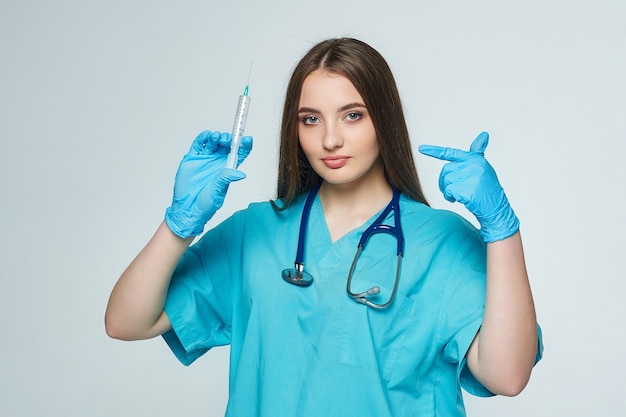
(202, 181)
(469, 179)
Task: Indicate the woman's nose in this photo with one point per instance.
(332, 138)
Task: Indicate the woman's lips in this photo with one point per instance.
(335, 162)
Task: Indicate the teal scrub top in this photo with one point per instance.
(314, 351)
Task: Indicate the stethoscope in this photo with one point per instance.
(298, 276)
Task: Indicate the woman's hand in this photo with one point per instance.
(202, 181)
(469, 179)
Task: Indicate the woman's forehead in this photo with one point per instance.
(328, 89)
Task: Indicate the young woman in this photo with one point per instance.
(390, 306)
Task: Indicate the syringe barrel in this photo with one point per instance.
(238, 128)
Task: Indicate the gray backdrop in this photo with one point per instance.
(100, 100)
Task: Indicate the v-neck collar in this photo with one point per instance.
(318, 220)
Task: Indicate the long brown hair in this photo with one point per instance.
(371, 76)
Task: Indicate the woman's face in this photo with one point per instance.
(336, 131)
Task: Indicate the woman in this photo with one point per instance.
(395, 333)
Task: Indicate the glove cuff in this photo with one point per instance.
(499, 225)
(178, 226)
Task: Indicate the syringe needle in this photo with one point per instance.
(249, 74)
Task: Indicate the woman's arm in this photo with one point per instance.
(503, 354)
(135, 308)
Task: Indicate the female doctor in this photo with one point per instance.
(390, 307)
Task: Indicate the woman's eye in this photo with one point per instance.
(309, 120)
(354, 116)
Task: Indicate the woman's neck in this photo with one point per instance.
(347, 207)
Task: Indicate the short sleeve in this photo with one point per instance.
(199, 302)
(471, 384)
(463, 310)
(464, 302)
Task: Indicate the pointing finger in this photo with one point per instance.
(446, 154)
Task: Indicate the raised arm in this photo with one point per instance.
(135, 308)
(503, 353)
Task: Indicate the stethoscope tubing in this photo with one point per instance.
(298, 276)
(304, 222)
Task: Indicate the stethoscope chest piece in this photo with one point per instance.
(297, 276)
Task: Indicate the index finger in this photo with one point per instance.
(444, 153)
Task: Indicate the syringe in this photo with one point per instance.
(238, 128)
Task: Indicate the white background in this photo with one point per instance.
(100, 100)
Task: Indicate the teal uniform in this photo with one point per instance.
(313, 351)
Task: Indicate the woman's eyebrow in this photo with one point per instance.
(350, 106)
(340, 109)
